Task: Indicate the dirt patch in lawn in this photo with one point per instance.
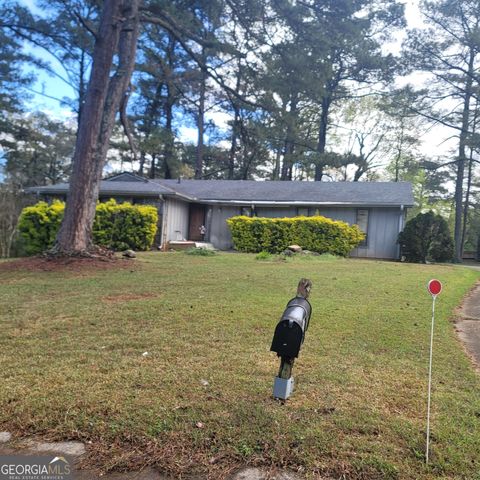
(67, 264)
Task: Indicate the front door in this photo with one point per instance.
(197, 221)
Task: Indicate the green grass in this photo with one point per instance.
(71, 366)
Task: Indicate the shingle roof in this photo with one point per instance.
(249, 191)
(335, 193)
(107, 187)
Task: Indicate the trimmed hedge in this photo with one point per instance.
(121, 226)
(317, 234)
(116, 226)
(38, 226)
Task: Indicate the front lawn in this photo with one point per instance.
(73, 365)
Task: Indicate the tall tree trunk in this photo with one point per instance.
(462, 159)
(149, 125)
(235, 125)
(233, 146)
(276, 168)
(467, 198)
(286, 173)
(168, 110)
(358, 174)
(142, 162)
(287, 159)
(322, 137)
(201, 123)
(398, 156)
(152, 167)
(469, 177)
(119, 25)
(81, 88)
(169, 129)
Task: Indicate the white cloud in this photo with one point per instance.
(188, 134)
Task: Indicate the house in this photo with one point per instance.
(197, 210)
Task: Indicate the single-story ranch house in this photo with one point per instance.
(197, 210)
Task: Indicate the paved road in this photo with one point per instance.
(468, 325)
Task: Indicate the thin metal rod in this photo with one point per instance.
(430, 381)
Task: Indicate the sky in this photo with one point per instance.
(436, 139)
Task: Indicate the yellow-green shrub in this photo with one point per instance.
(318, 234)
(116, 226)
(38, 225)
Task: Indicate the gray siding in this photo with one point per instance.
(218, 232)
(383, 228)
(348, 215)
(276, 212)
(176, 218)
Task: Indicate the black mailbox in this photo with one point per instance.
(290, 331)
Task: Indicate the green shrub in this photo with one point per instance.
(38, 226)
(201, 252)
(426, 237)
(273, 235)
(263, 256)
(116, 226)
(121, 226)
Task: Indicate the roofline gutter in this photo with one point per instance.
(299, 203)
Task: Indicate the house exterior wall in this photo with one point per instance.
(343, 214)
(276, 212)
(218, 232)
(175, 220)
(384, 225)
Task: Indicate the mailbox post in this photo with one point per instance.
(289, 336)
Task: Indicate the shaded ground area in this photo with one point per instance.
(166, 365)
(468, 324)
(65, 264)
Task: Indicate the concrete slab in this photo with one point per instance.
(74, 449)
(204, 245)
(259, 474)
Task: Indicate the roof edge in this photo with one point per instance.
(302, 203)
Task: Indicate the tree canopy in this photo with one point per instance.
(251, 89)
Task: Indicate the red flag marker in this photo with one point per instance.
(435, 288)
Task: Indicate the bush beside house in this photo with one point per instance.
(426, 237)
(273, 235)
(116, 226)
(38, 226)
(123, 225)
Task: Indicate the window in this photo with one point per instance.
(247, 211)
(362, 222)
(302, 212)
